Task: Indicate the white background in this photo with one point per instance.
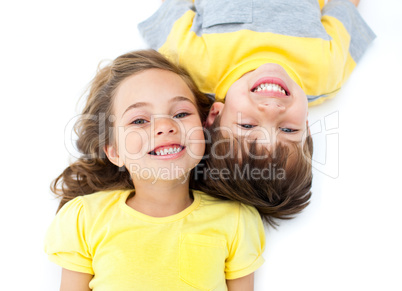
(349, 238)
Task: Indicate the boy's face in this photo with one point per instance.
(264, 105)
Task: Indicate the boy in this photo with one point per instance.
(228, 46)
(267, 60)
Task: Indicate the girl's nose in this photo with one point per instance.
(165, 126)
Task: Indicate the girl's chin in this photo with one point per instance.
(161, 175)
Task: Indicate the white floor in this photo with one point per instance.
(349, 238)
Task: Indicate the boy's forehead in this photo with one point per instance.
(262, 138)
(253, 149)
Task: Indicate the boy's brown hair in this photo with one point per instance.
(277, 183)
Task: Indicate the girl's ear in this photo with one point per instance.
(215, 110)
(112, 155)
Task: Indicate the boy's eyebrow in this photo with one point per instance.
(288, 139)
(144, 104)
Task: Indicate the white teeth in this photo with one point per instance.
(270, 87)
(169, 151)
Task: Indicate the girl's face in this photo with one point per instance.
(158, 131)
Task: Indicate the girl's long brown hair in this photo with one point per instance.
(92, 171)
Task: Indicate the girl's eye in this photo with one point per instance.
(139, 121)
(181, 115)
(287, 130)
(247, 126)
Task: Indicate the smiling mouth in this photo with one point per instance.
(270, 85)
(167, 150)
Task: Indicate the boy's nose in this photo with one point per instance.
(272, 108)
(165, 126)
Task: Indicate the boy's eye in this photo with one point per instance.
(287, 130)
(247, 126)
(181, 115)
(139, 121)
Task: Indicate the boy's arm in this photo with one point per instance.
(75, 281)
(349, 32)
(156, 29)
(245, 283)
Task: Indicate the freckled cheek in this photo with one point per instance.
(134, 145)
(299, 116)
(239, 107)
(195, 142)
(237, 92)
(300, 95)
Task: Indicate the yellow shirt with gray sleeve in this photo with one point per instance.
(219, 41)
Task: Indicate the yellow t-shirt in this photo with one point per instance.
(197, 249)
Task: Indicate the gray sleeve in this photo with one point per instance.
(156, 28)
(360, 33)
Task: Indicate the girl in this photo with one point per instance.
(142, 129)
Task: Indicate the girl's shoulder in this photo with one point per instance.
(94, 204)
(106, 197)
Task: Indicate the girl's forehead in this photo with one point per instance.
(151, 88)
(153, 82)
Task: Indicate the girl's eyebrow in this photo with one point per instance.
(136, 105)
(181, 98)
(147, 104)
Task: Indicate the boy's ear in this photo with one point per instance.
(215, 110)
(308, 128)
(112, 155)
